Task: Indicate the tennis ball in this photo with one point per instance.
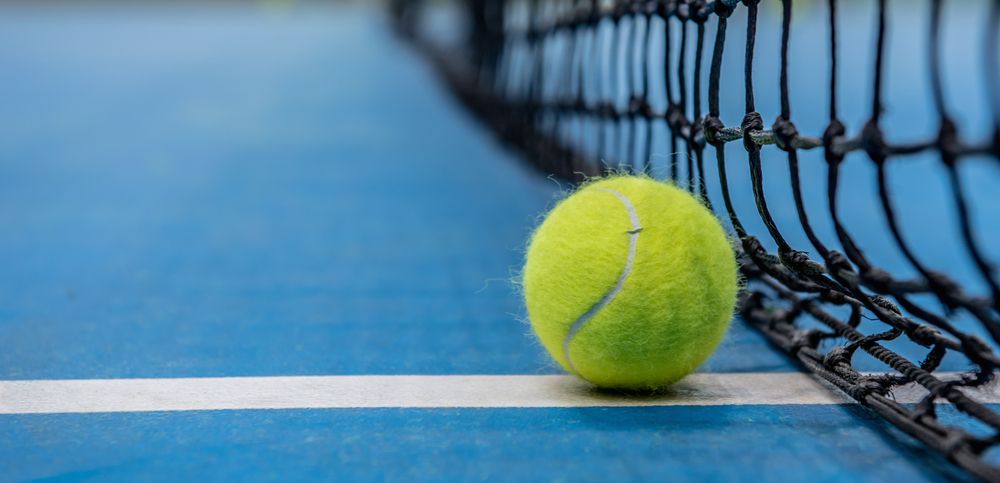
(630, 283)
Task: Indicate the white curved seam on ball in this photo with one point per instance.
(633, 238)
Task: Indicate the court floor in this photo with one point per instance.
(262, 191)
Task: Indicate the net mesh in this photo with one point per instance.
(570, 84)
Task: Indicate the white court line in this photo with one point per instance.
(305, 392)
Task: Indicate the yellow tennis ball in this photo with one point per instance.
(630, 283)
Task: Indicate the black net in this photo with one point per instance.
(584, 88)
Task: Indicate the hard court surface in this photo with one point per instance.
(256, 191)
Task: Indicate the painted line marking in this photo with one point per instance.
(482, 391)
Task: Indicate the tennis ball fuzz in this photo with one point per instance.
(630, 283)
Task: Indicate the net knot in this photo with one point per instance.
(619, 10)
(646, 109)
(665, 9)
(699, 11)
(608, 110)
(975, 347)
(877, 279)
(873, 141)
(712, 125)
(755, 249)
(886, 304)
(996, 143)
(675, 118)
(592, 18)
(696, 135)
(723, 10)
(865, 387)
(800, 261)
(636, 106)
(834, 297)
(683, 12)
(751, 122)
(948, 141)
(925, 335)
(805, 338)
(837, 356)
(834, 131)
(785, 133)
(837, 262)
(941, 283)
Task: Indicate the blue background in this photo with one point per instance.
(261, 190)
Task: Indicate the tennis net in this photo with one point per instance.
(585, 87)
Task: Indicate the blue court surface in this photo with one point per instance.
(252, 192)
